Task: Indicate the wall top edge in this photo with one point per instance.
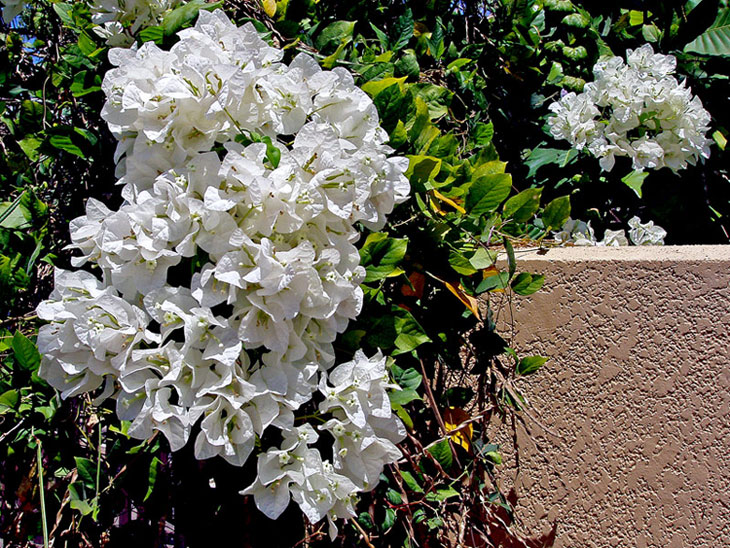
(669, 253)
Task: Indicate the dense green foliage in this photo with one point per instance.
(462, 88)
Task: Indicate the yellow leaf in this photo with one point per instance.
(449, 201)
(455, 417)
(269, 7)
(470, 302)
(373, 87)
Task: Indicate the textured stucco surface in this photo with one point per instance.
(638, 391)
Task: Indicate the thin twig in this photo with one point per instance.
(13, 429)
(42, 492)
(365, 537)
(436, 412)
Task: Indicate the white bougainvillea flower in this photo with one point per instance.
(579, 233)
(646, 234)
(231, 266)
(635, 109)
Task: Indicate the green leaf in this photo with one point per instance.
(442, 494)
(402, 31)
(540, 157)
(380, 256)
(461, 264)
(530, 364)
(63, 142)
(720, 139)
(522, 206)
(411, 482)
(390, 104)
(482, 135)
(527, 284)
(9, 401)
(482, 258)
(422, 170)
(406, 378)
(333, 35)
(634, 180)
(511, 260)
(374, 87)
(152, 477)
(651, 33)
(403, 415)
(183, 15)
(408, 66)
(497, 281)
(365, 520)
(410, 333)
(576, 53)
(556, 213)
(636, 18)
(393, 496)
(64, 12)
(436, 97)
(442, 453)
(86, 469)
(86, 44)
(25, 352)
(715, 40)
(389, 519)
(15, 214)
(154, 34)
(82, 506)
(382, 37)
(85, 82)
(403, 397)
(273, 154)
(30, 145)
(486, 193)
(456, 64)
(399, 135)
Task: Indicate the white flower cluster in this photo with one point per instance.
(231, 267)
(119, 20)
(635, 109)
(581, 233)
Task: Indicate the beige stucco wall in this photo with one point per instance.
(638, 391)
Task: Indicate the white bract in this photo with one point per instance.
(581, 234)
(635, 109)
(117, 21)
(230, 268)
(646, 234)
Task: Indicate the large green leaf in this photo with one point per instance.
(333, 35)
(715, 40)
(540, 157)
(25, 352)
(523, 206)
(442, 453)
(403, 30)
(380, 256)
(486, 193)
(184, 15)
(556, 212)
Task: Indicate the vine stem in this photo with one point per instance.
(95, 511)
(365, 537)
(42, 492)
(439, 418)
